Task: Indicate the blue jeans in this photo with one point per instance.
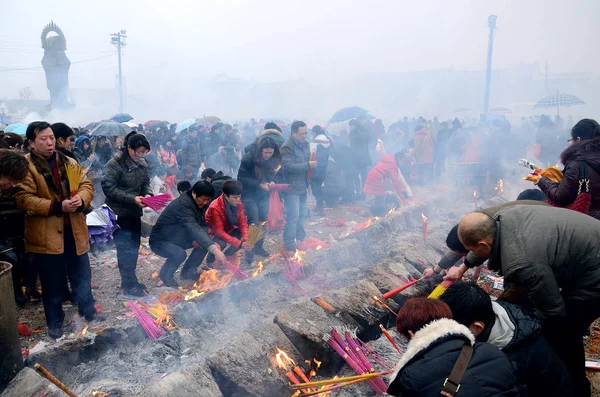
(295, 211)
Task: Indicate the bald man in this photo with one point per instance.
(554, 255)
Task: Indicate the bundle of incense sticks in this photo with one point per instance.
(440, 289)
(334, 384)
(157, 202)
(239, 273)
(349, 349)
(74, 177)
(153, 330)
(393, 292)
(255, 233)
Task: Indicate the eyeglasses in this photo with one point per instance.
(141, 153)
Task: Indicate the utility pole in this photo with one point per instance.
(488, 79)
(119, 40)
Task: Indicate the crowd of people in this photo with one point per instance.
(220, 179)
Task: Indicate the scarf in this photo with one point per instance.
(231, 213)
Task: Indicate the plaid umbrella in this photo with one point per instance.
(349, 113)
(121, 117)
(557, 100)
(110, 128)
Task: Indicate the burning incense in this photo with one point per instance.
(327, 390)
(440, 289)
(424, 226)
(475, 199)
(324, 305)
(380, 303)
(389, 337)
(74, 177)
(393, 292)
(54, 380)
(152, 330)
(239, 273)
(344, 379)
(500, 187)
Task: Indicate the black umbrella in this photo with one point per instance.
(121, 118)
(110, 128)
(349, 113)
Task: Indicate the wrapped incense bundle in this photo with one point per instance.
(74, 173)
(389, 338)
(324, 305)
(54, 380)
(440, 289)
(393, 292)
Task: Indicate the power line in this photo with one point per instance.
(72, 63)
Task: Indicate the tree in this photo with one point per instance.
(26, 94)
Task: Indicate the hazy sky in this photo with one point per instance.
(174, 43)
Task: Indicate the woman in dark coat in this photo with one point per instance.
(585, 150)
(435, 344)
(125, 183)
(360, 140)
(257, 173)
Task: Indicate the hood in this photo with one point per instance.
(429, 334)
(219, 176)
(388, 159)
(588, 151)
(79, 141)
(503, 330)
(271, 131)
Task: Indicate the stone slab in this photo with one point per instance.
(28, 383)
(247, 367)
(305, 323)
(195, 380)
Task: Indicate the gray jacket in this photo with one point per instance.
(182, 223)
(295, 167)
(546, 250)
(123, 180)
(191, 152)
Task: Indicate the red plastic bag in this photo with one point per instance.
(584, 198)
(276, 218)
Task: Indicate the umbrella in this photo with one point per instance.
(150, 123)
(130, 124)
(102, 223)
(557, 100)
(279, 122)
(157, 125)
(184, 124)
(17, 128)
(110, 128)
(121, 117)
(93, 125)
(349, 113)
(208, 121)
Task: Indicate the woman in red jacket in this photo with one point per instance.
(383, 177)
(227, 222)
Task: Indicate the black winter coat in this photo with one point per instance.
(295, 167)
(540, 373)
(191, 152)
(431, 355)
(565, 192)
(123, 180)
(217, 182)
(182, 223)
(249, 180)
(360, 140)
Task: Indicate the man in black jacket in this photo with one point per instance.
(182, 226)
(295, 154)
(514, 331)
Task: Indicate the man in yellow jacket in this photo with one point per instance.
(56, 234)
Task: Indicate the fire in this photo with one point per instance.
(500, 187)
(475, 194)
(98, 393)
(298, 257)
(391, 211)
(283, 360)
(162, 316)
(258, 269)
(208, 281)
(318, 363)
(319, 247)
(84, 331)
(424, 218)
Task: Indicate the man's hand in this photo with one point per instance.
(264, 186)
(139, 202)
(219, 256)
(312, 164)
(427, 273)
(68, 206)
(455, 273)
(76, 201)
(246, 246)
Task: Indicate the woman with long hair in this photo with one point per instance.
(582, 153)
(257, 173)
(125, 183)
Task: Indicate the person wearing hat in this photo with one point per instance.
(583, 149)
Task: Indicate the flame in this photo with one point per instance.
(258, 269)
(319, 247)
(475, 194)
(369, 222)
(84, 330)
(98, 393)
(162, 317)
(424, 218)
(208, 281)
(283, 360)
(298, 257)
(318, 363)
(500, 187)
(391, 211)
